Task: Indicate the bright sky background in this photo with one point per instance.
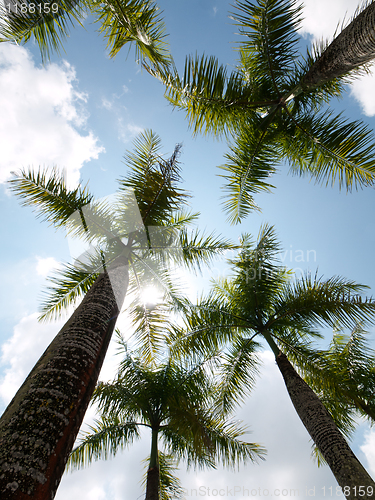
(81, 113)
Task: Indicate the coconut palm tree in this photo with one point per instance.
(262, 301)
(273, 105)
(137, 22)
(142, 233)
(174, 401)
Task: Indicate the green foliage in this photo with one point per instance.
(47, 193)
(268, 111)
(50, 27)
(262, 300)
(136, 22)
(174, 398)
(133, 22)
(269, 47)
(145, 224)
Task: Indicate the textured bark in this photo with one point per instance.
(153, 474)
(354, 46)
(345, 466)
(152, 486)
(39, 427)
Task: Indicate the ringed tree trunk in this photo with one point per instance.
(348, 471)
(39, 427)
(153, 473)
(354, 46)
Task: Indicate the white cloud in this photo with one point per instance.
(107, 104)
(368, 449)
(22, 350)
(46, 265)
(40, 110)
(321, 19)
(362, 90)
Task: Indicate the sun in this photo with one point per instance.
(150, 296)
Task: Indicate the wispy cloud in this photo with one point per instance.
(127, 131)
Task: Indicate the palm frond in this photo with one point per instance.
(136, 22)
(237, 373)
(208, 326)
(345, 371)
(69, 283)
(47, 22)
(269, 47)
(333, 302)
(330, 149)
(231, 450)
(252, 160)
(153, 180)
(105, 438)
(170, 485)
(213, 100)
(47, 193)
(200, 249)
(151, 325)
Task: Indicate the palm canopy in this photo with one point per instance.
(144, 226)
(263, 301)
(268, 111)
(173, 400)
(134, 22)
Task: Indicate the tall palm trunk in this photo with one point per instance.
(354, 46)
(153, 473)
(345, 466)
(39, 427)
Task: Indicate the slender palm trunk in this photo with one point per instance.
(345, 466)
(354, 46)
(153, 475)
(39, 427)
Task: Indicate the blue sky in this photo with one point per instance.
(81, 113)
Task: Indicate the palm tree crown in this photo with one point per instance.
(174, 400)
(271, 107)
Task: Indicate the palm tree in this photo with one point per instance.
(174, 401)
(135, 22)
(261, 300)
(273, 105)
(140, 234)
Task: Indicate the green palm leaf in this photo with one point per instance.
(48, 22)
(237, 373)
(252, 160)
(136, 22)
(48, 194)
(105, 438)
(332, 302)
(330, 148)
(269, 48)
(122, 22)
